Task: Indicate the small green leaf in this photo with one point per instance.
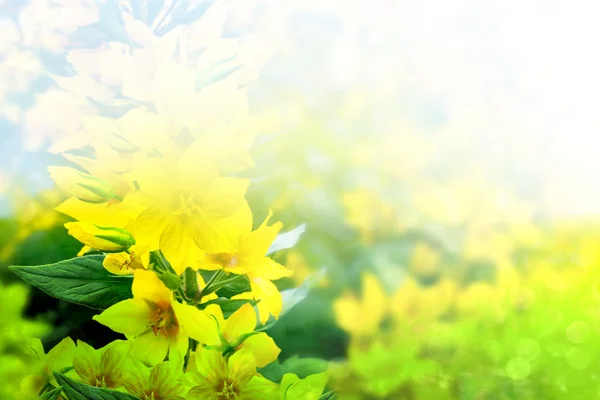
(234, 286)
(309, 388)
(228, 306)
(52, 395)
(80, 391)
(287, 240)
(291, 297)
(81, 280)
(302, 367)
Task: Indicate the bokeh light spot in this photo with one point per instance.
(518, 368)
(578, 332)
(528, 348)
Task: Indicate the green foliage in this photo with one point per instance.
(302, 367)
(81, 280)
(287, 240)
(53, 394)
(79, 391)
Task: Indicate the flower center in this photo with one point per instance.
(150, 395)
(224, 259)
(187, 206)
(163, 320)
(228, 391)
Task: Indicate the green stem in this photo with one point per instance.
(161, 262)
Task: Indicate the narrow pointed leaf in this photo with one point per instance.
(80, 391)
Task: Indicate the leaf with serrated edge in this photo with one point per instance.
(81, 280)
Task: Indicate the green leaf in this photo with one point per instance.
(81, 280)
(80, 391)
(52, 395)
(291, 297)
(287, 240)
(302, 367)
(228, 306)
(309, 388)
(236, 285)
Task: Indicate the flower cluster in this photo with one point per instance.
(154, 171)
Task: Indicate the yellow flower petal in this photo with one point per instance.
(270, 298)
(86, 362)
(196, 323)
(224, 197)
(129, 317)
(146, 285)
(242, 321)
(262, 347)
(242, 367)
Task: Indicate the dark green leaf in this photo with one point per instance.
(52, 395)
(239, 284)
(81, 280)
(80, 391)
(228, 306)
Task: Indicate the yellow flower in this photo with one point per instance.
(102, 367)
(165, 381)
(232, 246)
(237, 333)
(124, 263)
(216, 378)
(362, 317)
(156, 322)
(59, 358)
(412, 302)
(425, 260)
(180, 198)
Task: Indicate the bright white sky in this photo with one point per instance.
(512, 70)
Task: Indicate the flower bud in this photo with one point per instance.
(101, 238)
(81, 185)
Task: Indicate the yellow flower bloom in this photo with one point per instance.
(362, 317)
(102, 367)
(180, 198)
(425, 260)
(58, 358)
(156, 322)
(124, 263)
(233, 247)
(237, 328)
(215, 378)
(165, 381)
(412, 302)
